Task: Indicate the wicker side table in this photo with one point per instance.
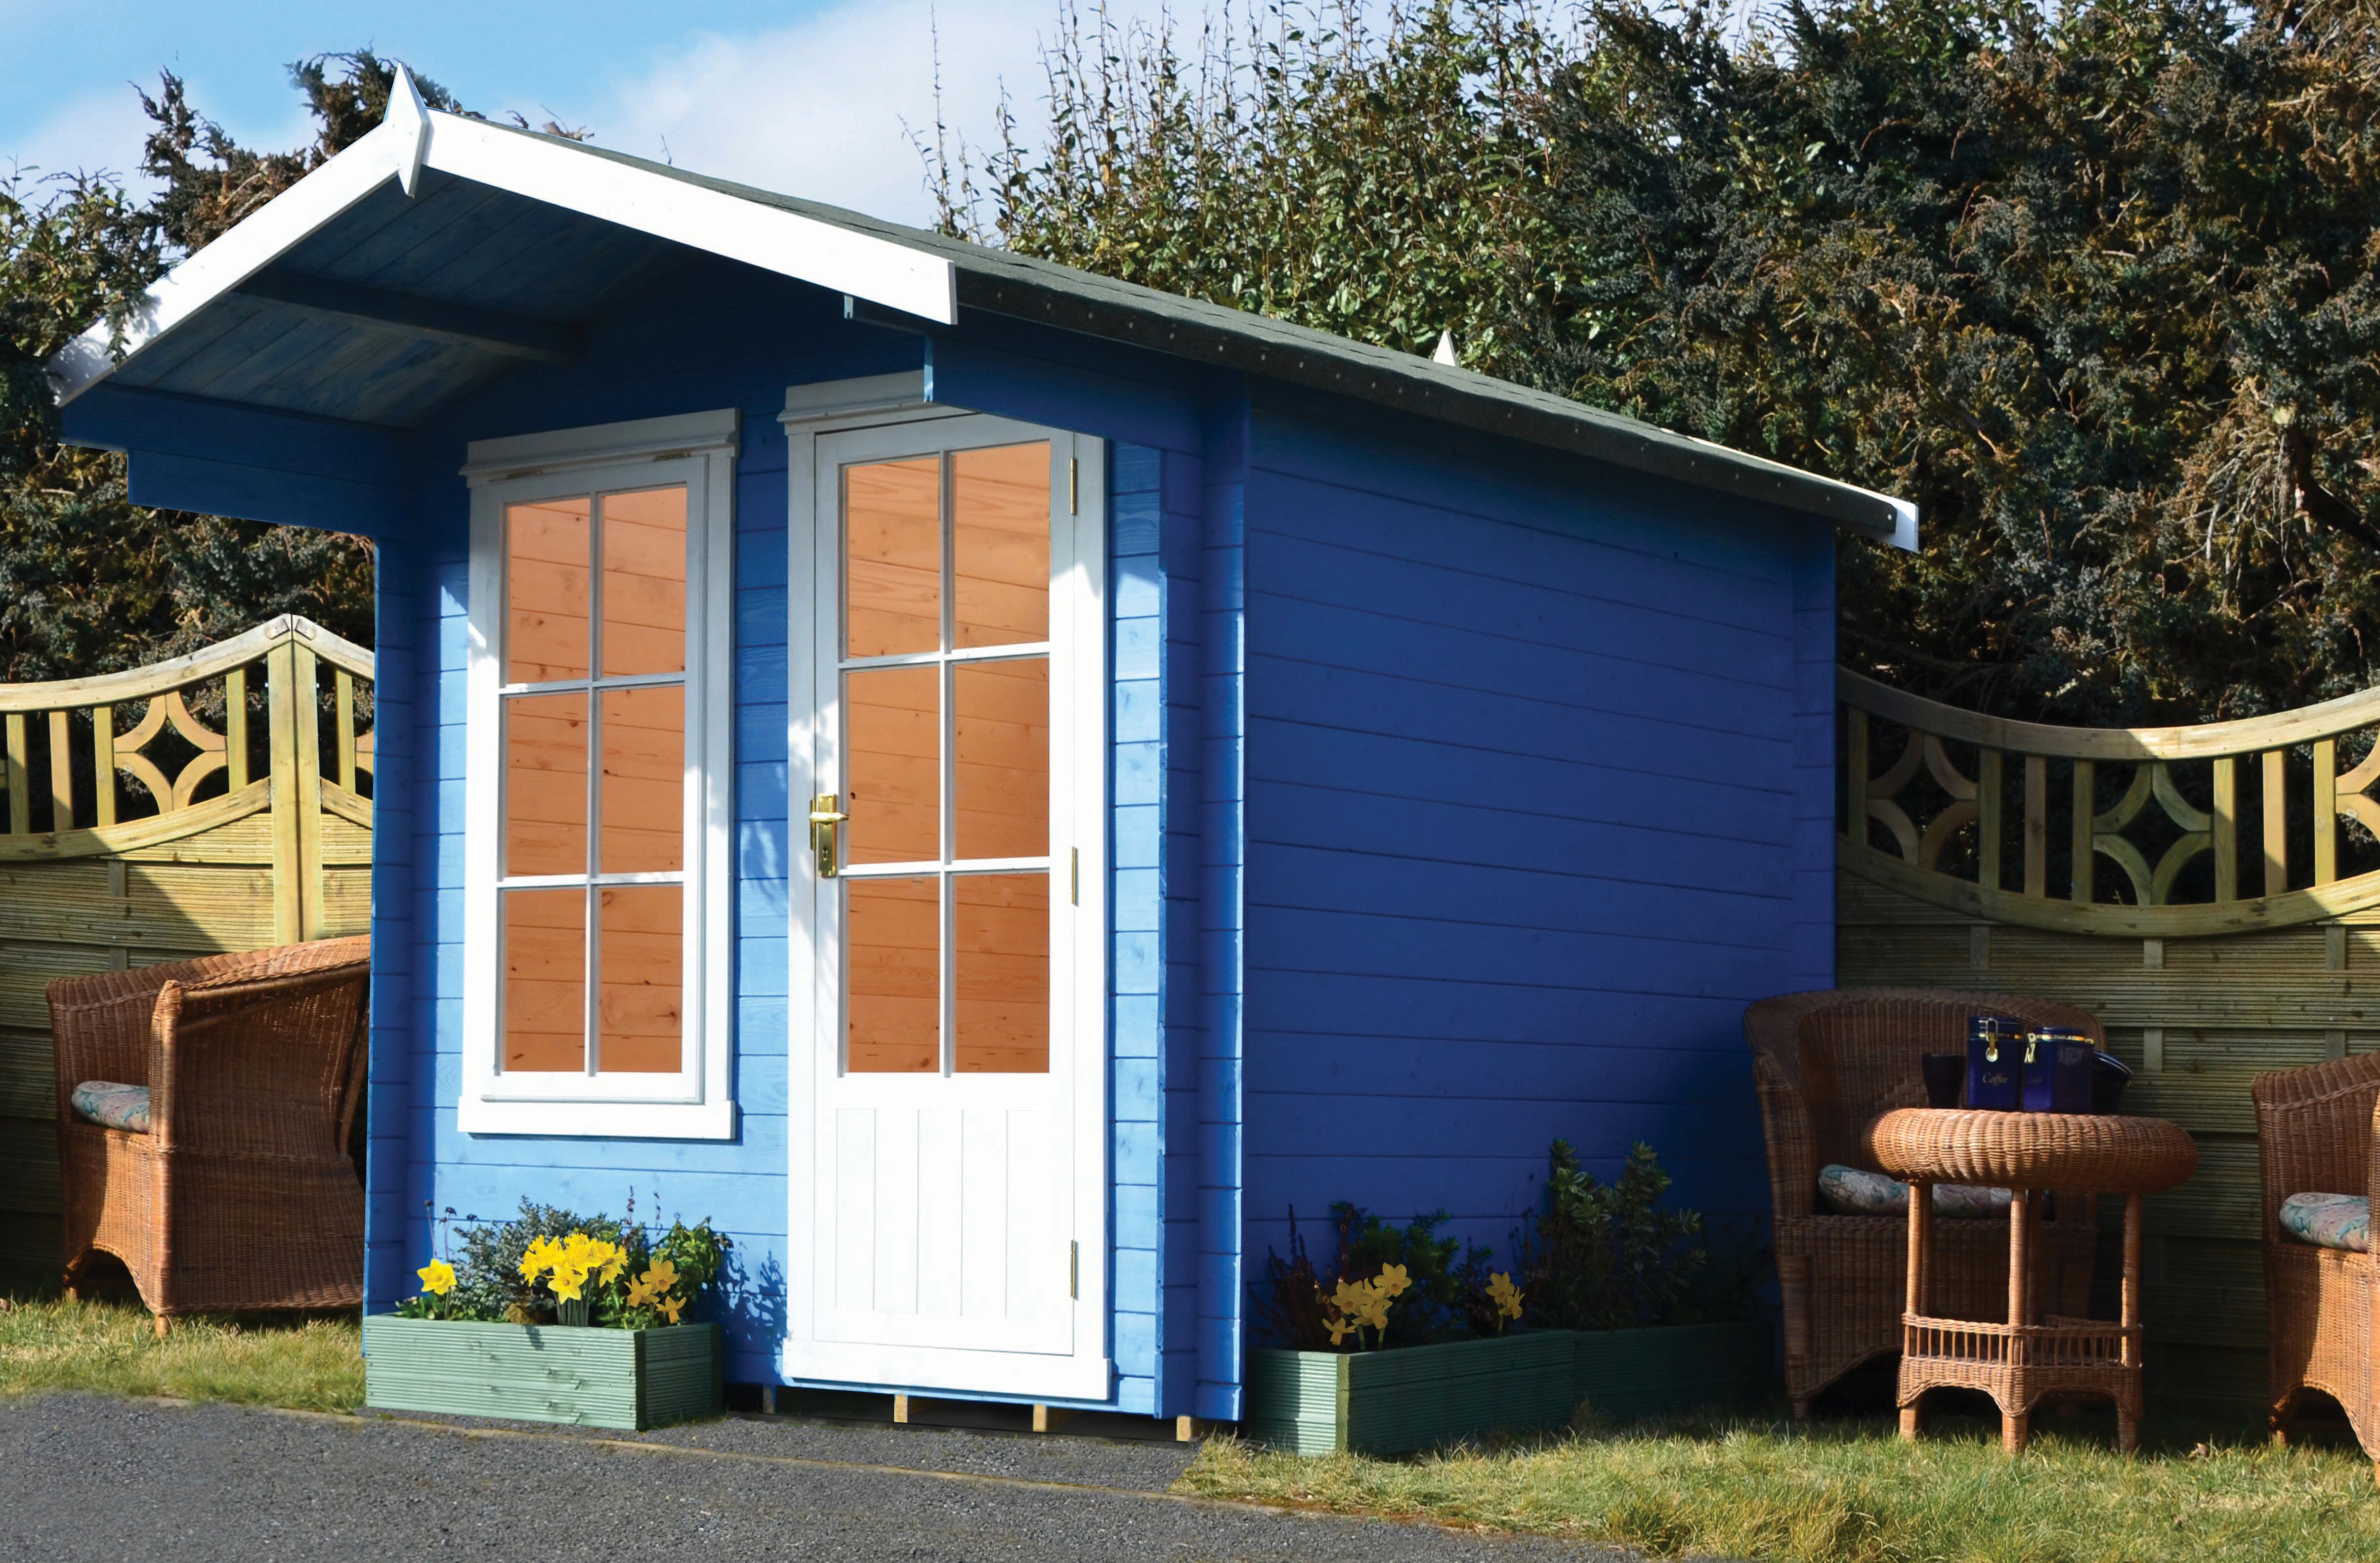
(2017, 1362)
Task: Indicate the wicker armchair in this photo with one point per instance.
(241, 1194)
(2319, 1132)
(1824, 1064)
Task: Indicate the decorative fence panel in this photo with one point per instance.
(2211, 892)
(217, 802)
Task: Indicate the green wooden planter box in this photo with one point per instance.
(1675, 1368)
(1388, 1402)
(543, 1372)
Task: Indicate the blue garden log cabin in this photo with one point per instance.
(993, 784)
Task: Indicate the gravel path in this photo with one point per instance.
(84, 1477)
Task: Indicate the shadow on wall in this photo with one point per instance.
(748, 1302)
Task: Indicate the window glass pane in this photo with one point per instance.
(1001, 925)
(545, 980)
(892, 733)
(892, 557)
(545, 591)
(640, 966)
(644, 582)
(893, 951)
(545, 784)
(1002, 758)
(1000, 545)
(643, 799)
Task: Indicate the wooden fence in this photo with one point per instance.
(2212, 893)
(217, 802)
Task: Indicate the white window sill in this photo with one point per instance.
(617, 1121)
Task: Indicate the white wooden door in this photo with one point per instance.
(957, 1114)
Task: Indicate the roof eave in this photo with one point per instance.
(1439, 392)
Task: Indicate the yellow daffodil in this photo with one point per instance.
(1392, 1281)
(568, 1281)
(1340, 1329)
(670, 1306)
(641, 1294)
(1506, 1296)
(437, 1278)
(662, 1276)
(539, 1257)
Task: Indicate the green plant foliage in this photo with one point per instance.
(1607, 1256)
(2097, 285)
(1446, 1296)
(487, 1257)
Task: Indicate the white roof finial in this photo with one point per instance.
(1445, 353)
(410, 118)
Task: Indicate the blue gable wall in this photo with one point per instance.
(719, 335)
(1538, 788)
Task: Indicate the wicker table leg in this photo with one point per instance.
(1921, 1251)
(2016, 1427)
(2128, 1417)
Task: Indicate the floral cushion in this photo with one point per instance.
(111, 1105)
(2329, 1220)
(1846, 1191)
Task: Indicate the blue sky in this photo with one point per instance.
(804, 96)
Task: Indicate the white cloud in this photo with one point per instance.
(97, 132)
(818, 109)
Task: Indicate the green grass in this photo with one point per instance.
(111, 1348)
(1851, 1491)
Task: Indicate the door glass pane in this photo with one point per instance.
(545, 591)
(892, 557)
(892, 941)
(641, 967)
(545, 784)
(1001, 943)
(643, 827)
(892, 729)
(1000, 545)
(1002, 758)
(644, 582)
(545, 980)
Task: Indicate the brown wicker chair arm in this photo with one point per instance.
(1785, 1118)
(99, 1024)
(265, 1066)
(2318, 1130)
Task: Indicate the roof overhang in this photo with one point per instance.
(413, 138)
(282, 294)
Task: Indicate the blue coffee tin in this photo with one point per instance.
(1995, 1053)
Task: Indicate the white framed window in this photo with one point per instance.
(598, 781)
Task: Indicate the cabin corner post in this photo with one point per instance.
(1220, 1377)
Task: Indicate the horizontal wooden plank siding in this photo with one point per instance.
(1538, 779)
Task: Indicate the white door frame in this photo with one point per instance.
(1081, 1370)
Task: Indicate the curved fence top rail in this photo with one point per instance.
(2250, 734)
(2155, 834)
(175, 672)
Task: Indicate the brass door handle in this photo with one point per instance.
(826, 823)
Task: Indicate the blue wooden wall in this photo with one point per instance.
(1538, 787)
(672, 355)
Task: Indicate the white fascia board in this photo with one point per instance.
(251, 245)
(770, 237)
